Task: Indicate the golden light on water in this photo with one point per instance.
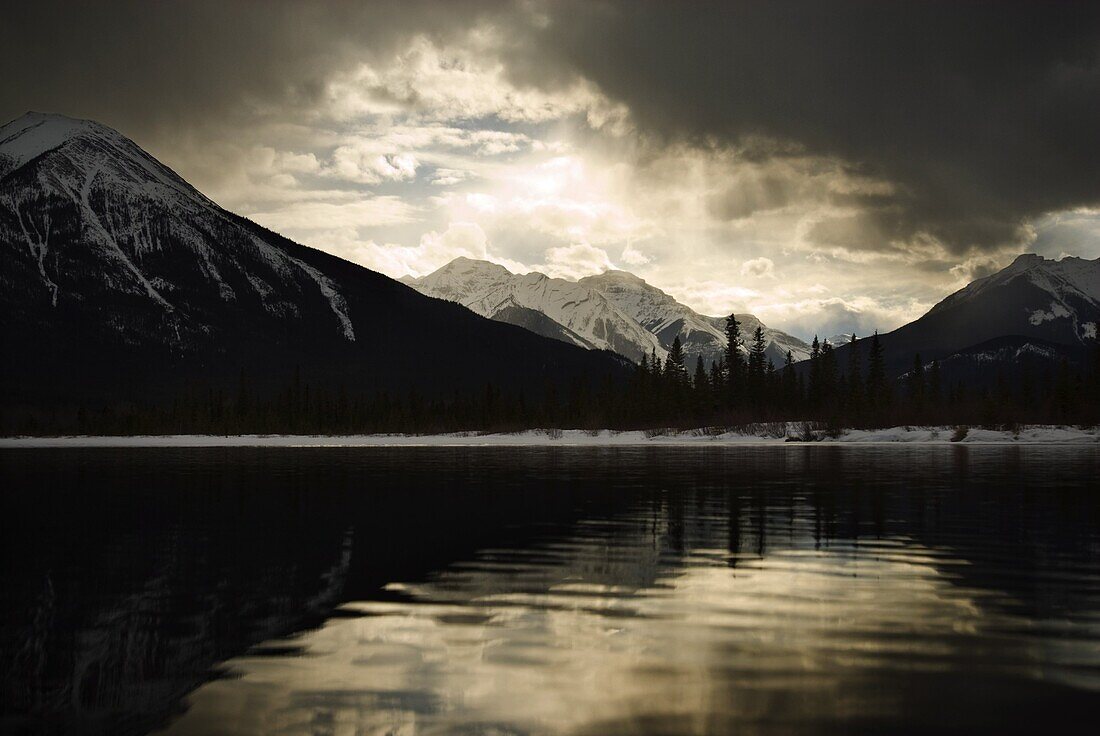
(608, 631)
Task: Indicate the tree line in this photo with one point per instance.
(743, 387)
(856, 391)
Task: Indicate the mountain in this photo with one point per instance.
(1051, 304)
(571, 312)
(614, 310)
(666, 318)
(121, 279)
(1012, 359)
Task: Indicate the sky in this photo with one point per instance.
(830, 167)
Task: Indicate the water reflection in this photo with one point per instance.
(581, 591)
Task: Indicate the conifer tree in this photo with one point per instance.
(876, 374)
(1062, 392)
(815, 373)
(757, 361)
(933, 392)
(244, 398)
(675, 370)
(789, 392)
(735, 362)
(771, 386)
(700, 381)
(827, 375)
(654, 399)
(701, 385)
(716, 385)
(916, 384)
(1095, 374)
(855, 378)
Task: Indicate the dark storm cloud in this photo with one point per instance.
(765, 193)
(981, 115)
(984, 114)
(147, 66)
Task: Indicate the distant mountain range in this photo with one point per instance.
(1035, 312)
(614, 310)
(120, 278)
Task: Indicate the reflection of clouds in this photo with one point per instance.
(612, 629)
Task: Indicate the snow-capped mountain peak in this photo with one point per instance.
(586, 315)
(1062, 294)
(91, 153)
(35, 133)
(667, 318)
(100, 217)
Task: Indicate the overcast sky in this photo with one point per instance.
(827, 166)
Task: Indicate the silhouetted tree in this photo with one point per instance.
(735, 363)
(757, 368)
(789, 391)
(916, 384)
(814, 391)
(934, 390)
(855, 379)
(876, 374)
(701, 385)
(675, 372)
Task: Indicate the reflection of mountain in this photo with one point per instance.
(130, 577)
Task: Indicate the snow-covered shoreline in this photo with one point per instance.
(1028, 435)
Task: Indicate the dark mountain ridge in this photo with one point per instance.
(1053, 306)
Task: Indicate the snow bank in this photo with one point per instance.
(1032, 435)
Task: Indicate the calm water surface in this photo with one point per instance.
(564, 590)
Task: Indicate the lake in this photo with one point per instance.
(756, 590)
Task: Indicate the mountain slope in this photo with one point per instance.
(120, 278)
(1036, 299)
(666, 318)
(1012, 359)
(585, 316)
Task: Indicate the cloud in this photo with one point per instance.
(154, 69)
(982, 115)
(751, 193)
(361, 162)
(459, 239)
(977, 267)
(575, 261)
(435, 249)
(836, 315)
(631, 256)
(758, 267)
(303, 217)
(444, 177)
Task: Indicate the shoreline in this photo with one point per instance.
(1035, 435)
